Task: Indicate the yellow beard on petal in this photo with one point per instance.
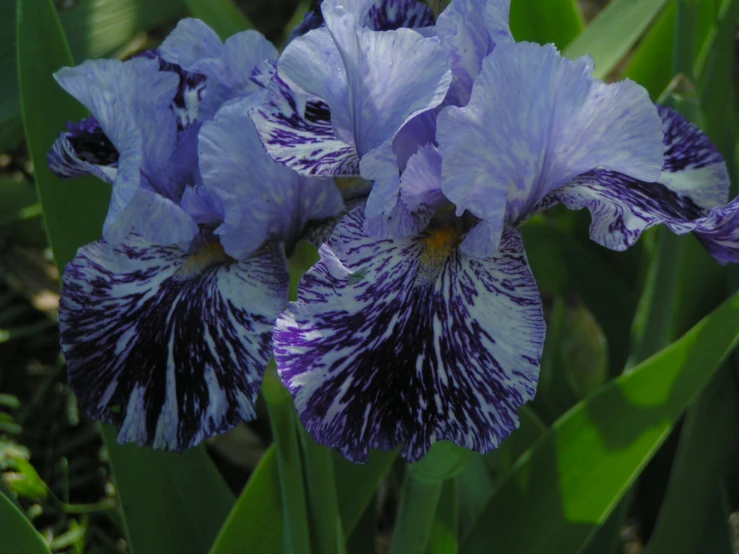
(438, 246)
(202, 258)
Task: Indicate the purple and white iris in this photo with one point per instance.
(421, 321)
(166, 323)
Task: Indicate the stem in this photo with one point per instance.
(686, 33)
(416, 515)
(282, 417)
(322, 500)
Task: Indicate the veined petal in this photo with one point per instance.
(143, 130)
(169, 347)
(312, 65)
(694, 179)
(469, 30)
(82, 150)
(392, 76)
(296, 131)
(388, 15)
(191, 42)
(534, 122)
(409, 341)
(274, 201)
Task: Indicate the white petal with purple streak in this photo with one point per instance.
(693, 181)
(169, 347)
(411, 342)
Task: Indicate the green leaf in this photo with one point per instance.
(356, 484)
(95, 28)
(162, 493)
(171, 502)
(18, 534)
(707, 442)
(544, 21)
(600, 446)
(718, 536)
(444, 532)
(564, 266)
(256, 519)
(223, 16)
(610, 36)
(651, 63)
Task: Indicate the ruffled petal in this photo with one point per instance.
(694, 179)
(191, 42)
(143, 130)
(169, 347)
(274, 202)
(83, 150)
(297, 132)
(535, 121)
(410, 342)
(392, 76)
(469, 30)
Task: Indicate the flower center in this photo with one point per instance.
(437, 247)
(204, 257)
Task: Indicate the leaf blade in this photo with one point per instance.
(601, 445)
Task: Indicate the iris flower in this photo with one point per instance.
(433, 329)
(166, 323)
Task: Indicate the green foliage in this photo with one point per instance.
(18, 534)
(613, 32)
(600, 446)
(543, 21)
(95, 28)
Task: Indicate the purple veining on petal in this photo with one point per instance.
(410, 342)
(693, 181)
(83, 146)
(297, 132)
(169, 347)
(388, 15)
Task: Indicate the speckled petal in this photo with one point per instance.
(388, 15)
(169, 348)
(83, 150)
(409, 342)
(296, 131)
(693, 181)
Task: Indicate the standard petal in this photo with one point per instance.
(297, 132)
(694, 179)
(312, 65)
(191, 42)
(274, 201)
(392, 76)
(143, 130)
(410, 342)
(535, 121)
(169, 347)
(243, 52)
(469, 30)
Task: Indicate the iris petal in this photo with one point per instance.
(169, 347)
(693, 183)
(409, 341)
